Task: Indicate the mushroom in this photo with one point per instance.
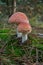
(24, 28)
(18, 18)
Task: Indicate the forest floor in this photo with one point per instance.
(6, 30)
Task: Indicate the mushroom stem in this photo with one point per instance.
(18, 34)
(24, 37)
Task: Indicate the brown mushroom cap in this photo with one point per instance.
(18, 17)
(24, 28)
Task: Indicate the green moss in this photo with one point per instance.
(4, 30)
(3, 36)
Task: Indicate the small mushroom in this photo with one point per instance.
(25, 29)
(18, 18)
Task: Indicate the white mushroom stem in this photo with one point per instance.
(18, 34)
(24, 37)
